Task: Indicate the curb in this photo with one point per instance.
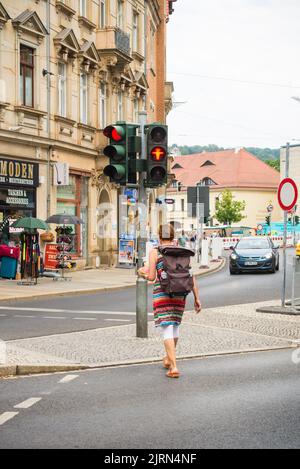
(30, 370)
(37, 296)
(25, 370)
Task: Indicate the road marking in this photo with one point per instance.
(28, 403)
(86, 319)
(7, 416)
(118, 320)
(66, 311)
(2, 315)
(54, 317)
(23, 316)
(68, 378)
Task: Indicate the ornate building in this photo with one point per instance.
(67, 69)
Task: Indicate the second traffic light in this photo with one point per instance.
(116, 151)
(157, 155)
(121, 151)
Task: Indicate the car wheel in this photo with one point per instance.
(273, 270)
(277, 266)
(233, 272)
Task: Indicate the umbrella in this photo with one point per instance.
(64, 219)
(30, 223)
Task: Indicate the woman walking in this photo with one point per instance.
(168, 310)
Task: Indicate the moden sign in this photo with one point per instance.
(18, 173)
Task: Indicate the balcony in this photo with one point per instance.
(113, 44)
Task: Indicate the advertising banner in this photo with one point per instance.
(50, 261)
(126, 251)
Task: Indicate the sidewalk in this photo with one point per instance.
(86, 281)
(216, 331)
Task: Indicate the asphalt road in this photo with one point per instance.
(33, 318)
(241, 401)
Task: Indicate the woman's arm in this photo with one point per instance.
(150, 272)
(197, 301)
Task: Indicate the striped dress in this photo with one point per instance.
(167, 310)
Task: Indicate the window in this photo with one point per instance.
(120, 14)
(120, 105)
(82, 8)
(182, 205)
(26, 75)
(152, 46)
(83, 98)
(102, 14)
(135, 31)
(136, 110)
(62, 90)
(102, 106)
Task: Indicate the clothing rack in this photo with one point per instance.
(30, 258)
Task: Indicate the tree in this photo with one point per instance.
(274, 164)
(229, 211)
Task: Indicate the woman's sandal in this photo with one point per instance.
(172, 374)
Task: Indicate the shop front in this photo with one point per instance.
(18, 184)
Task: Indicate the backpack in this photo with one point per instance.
(176, 278)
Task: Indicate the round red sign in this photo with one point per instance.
(287, 194)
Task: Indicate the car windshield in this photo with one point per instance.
(256, 243)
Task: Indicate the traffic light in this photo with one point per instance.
(117, 151)
(157, 155)
(268, 220)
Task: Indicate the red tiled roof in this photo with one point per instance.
(231, 168)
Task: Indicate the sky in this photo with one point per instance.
(235, 65)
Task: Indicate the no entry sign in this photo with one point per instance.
(287, 194)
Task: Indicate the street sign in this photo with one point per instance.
(170, 201)
(259, 227)
(287, 194)
(270, 208)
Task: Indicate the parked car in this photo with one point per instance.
(254, 254)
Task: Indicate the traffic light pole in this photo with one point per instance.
(141, 283)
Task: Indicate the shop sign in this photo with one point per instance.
(19, 173)
(17, 198)
(50, 256)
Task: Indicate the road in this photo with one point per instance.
(34, 318)
(241, 401)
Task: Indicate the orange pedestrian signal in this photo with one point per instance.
(158, 153)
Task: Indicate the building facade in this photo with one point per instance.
(68, 68)
(248, 178)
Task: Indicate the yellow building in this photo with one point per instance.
(248, 178)
(67, 69)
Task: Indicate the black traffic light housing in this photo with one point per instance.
(157, 154)
(121, 151)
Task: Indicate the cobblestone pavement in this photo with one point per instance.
(214, 331)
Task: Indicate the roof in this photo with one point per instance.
(230, 168)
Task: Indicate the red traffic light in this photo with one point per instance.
(114, 132)
(158, 153)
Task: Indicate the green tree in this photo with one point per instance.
(229, 211)
(274, 164)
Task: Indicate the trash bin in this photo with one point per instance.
(8, 267)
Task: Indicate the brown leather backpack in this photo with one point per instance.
(176, 278)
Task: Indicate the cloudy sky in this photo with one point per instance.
(236, 64)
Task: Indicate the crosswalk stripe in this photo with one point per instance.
(7, 416)
(28, 403)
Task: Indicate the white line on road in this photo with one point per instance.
(86, 319)
(28, 403)
(66, 311)
(68, 378)
(118, 320)
(7, 416)
(53, 317)
(23, 316)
